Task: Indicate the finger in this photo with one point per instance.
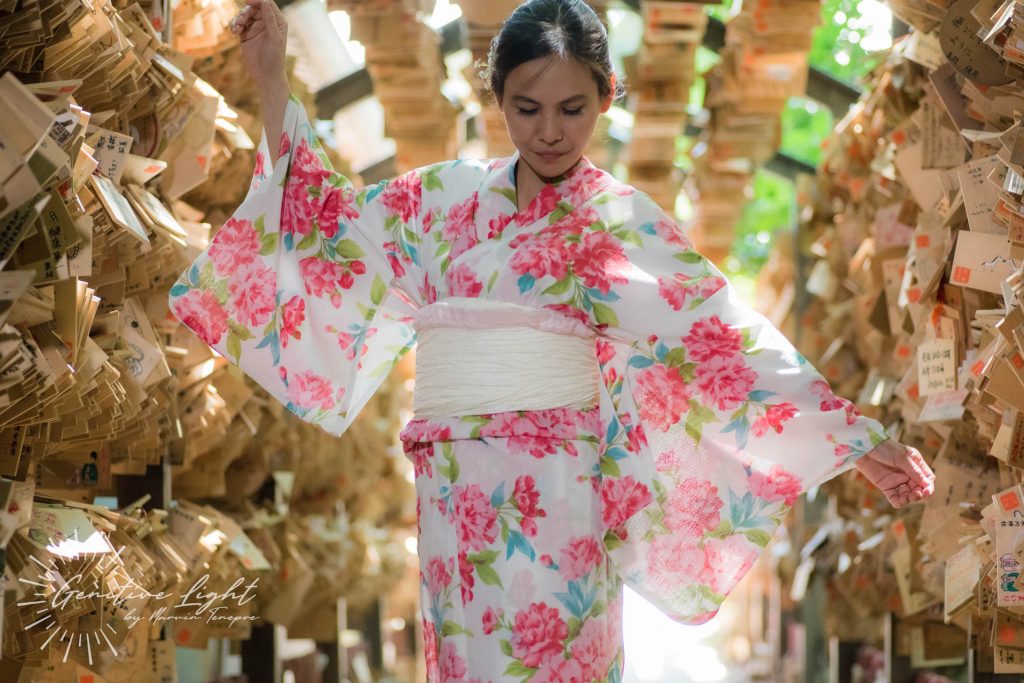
(919, 464)
(271, 7)
(242, 20)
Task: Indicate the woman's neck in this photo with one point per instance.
(529, 183)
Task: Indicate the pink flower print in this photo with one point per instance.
(321, 277)
(541, 254)
(459, 228)
(728, 561)
(710, 337)
(308, 390)
(677, 290)
(677, 558)
(570, 311)
(453, 667)
(674, 292)
(293, 314)
(436, 576)
(402, 196)
(467, 581)
(574, 222)
(560, 670)
(542, 205)
(391, 249)
(529, 527)
(693, 505)
(662, 396)
(251, 293)
(593, 649)
(636, 439)
(258, 169)
(462, 281)
(829, 401)
(283, 145)
(605, 351)
(621, 499)
(527, 497)
(773, 418)
(428, 292)
(537, 634)
(234, 246)
(600, 261)
(553, 420)
(489, 622)
(200, 310)
(475, 517)
(338, 203)
(589, 422)
(777, 485)
(672, 234)
(725, 382)
(297, 208)
(708, 286)
(421, 454)
(537, 446)
(422, 430)
(669, 461)
(578, 557)
(584, 183)
(430, 652)
(497, 225)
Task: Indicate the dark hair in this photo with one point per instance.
(540, 28)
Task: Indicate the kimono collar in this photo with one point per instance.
(497, 194)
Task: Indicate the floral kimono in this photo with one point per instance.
(708, 427)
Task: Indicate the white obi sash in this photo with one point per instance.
(479, 356)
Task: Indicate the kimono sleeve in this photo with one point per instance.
(302, 287)
(726, 424)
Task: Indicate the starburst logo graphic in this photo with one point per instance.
(66, 599)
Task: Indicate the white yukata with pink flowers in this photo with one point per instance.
(708, 427)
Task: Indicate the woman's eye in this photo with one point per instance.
(527, 112)
(574, 112)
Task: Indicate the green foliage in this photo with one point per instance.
(770, 211)
(838, 47)
(805, 125)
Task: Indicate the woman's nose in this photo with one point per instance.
(550, 130)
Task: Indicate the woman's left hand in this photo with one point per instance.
(899, 472)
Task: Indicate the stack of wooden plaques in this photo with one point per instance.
(403, 55)
(100, 159)
(672, 32)
(764, 63)
(916, 227)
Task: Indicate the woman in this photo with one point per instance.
(593, 405)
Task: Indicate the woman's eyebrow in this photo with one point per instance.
(528, 100)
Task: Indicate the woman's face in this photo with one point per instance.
(551, 107)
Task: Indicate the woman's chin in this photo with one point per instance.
(552, 167)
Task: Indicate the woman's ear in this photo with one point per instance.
(613, 90)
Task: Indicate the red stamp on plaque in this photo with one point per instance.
(923, 241)
(1009, 500)
(961, 274)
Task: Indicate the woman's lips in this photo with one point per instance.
(550, 155)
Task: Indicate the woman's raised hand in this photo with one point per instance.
(899, 472)
(263, 30)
